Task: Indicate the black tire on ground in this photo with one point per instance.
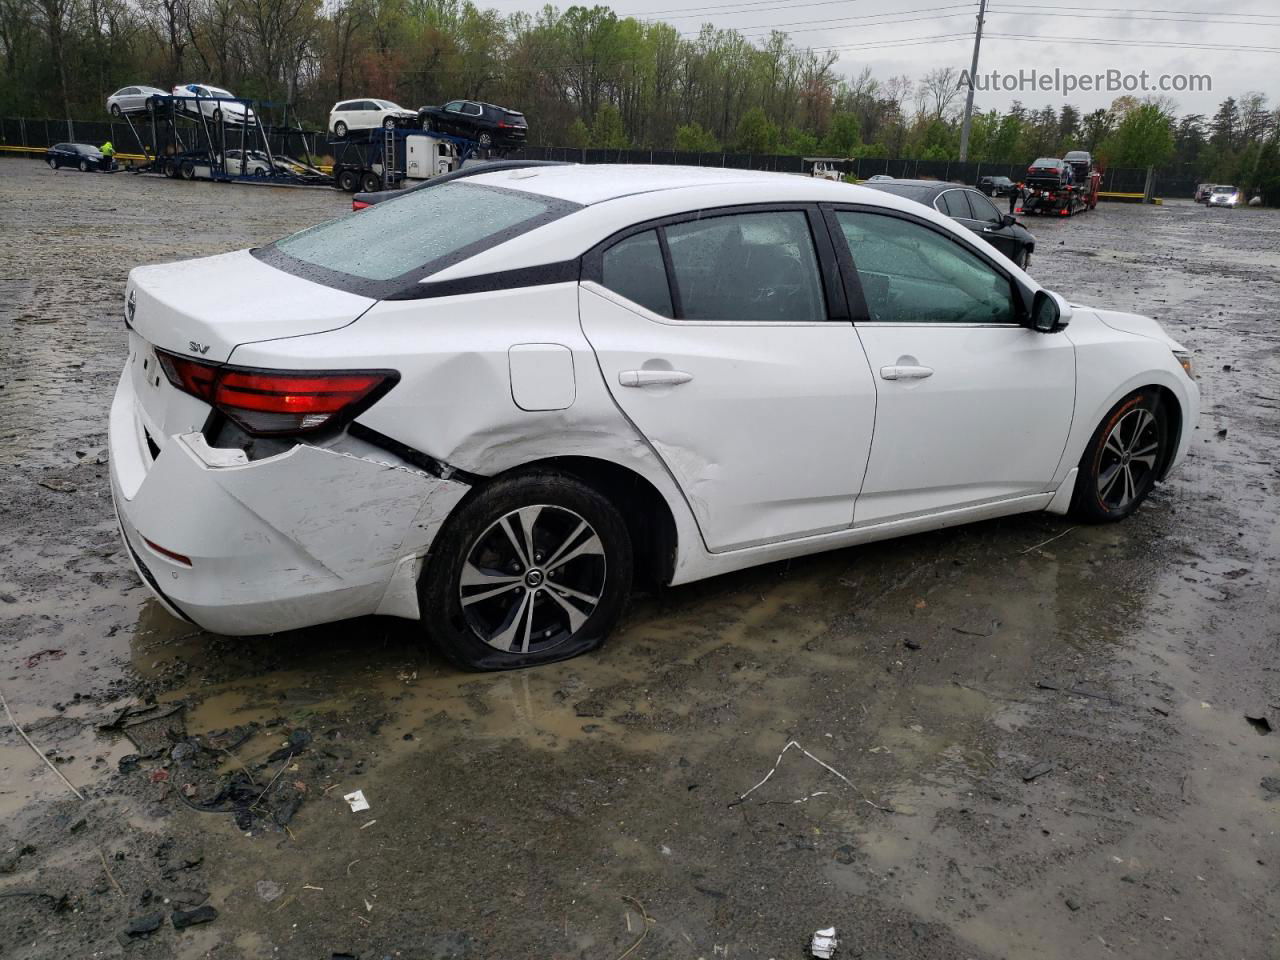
(115, 110)
(339, 129)
(1123, 459)
(53, 164)
(84, 166)
(347, 180)
(600, 566)
(187, 170)
(370, 183)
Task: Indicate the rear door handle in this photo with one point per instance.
(905, 373)
(650, 378)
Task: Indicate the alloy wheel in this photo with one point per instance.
(1129, 458)
(532, 579)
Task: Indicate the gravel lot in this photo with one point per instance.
(1041, 730)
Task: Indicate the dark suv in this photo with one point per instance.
(486, 123)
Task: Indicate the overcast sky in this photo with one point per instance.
(916, 36)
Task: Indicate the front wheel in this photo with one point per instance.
(339, 129)
(534, 569)
(1123, 460)
(115, 110)
(427, 124)
(1022, 258)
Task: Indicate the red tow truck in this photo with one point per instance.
(1061, 187)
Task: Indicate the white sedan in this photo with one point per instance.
(490, 402)
(132, 99)
(216, 104)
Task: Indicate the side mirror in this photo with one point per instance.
(1049, 312)
(1008, 220)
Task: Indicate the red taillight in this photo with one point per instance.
(266, 402)
(359, 205)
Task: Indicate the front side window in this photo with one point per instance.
(418, 233)
(748, 267)
(454, 107)
(983, 209)
(634, 268)
(912, 274)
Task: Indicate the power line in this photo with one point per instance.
(1207, 13)
(762, 6)
(829, 24)
(1154, 44)
(1032, 11)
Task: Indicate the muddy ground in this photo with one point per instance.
(1040, 729)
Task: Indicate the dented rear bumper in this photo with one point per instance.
(308, 536)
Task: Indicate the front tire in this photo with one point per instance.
(339, 129)
(115, 110)
(389, 123)
(1123, 460)
(534, 569)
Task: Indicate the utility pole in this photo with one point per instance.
(973, 73)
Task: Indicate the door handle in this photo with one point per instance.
(905, 373)
(650, 378)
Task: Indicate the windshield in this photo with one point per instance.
(387, 105)
(382, 249)
(218, 92)
(1224, 189)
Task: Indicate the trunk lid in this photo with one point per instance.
(205, 308)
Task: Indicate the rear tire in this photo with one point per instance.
(428, 125)
(53, 164)
(485, 140)
(522, 611)
(187, 170)
(348, 181)
(370, 183)
(84, 166)
(339, 129)
(389, 123)
(1123, 460)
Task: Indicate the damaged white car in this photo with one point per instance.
(489, 403)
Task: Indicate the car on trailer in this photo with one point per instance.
(367, 114)
(491, 403)
(134, 99)
(83, 156)
(214, 103)
(1202, 192)
(1061, 186)
(971, 209)
(486, 123)
(246, 163)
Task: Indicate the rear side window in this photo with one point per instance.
(634, 269)
(416, 234)
(749, 267)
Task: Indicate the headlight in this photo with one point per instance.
(1184, 358)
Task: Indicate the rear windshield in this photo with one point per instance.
(1047, 162)
(389, 246)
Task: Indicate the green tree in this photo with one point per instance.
(843, 137)
(1144, 137)
(579, 134)
(799, 143)
(756, 133)
(607, 130)
(691, 138)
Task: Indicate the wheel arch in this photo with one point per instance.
(1171, 403)
(650, 522)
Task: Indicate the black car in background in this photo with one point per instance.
(82, 155)
(971, 209)
(487, 123)
(996, 186)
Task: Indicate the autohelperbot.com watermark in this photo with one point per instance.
(1067, 82)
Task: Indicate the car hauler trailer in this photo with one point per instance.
(184, 141)
(1062, 190)
(382, 159)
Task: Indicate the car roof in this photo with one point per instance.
(589, 184)
(916, 188)
(615, 197)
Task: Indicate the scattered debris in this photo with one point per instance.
(144, 925)
(1045, 543)
(357, 801)
(1072, 904)
(1039, 770)
(22, 733)
(298, 741)
(911, 644)
(1222, 432)
(268, 890)
(50, 654)
(1257, 718)
(1271, 785)
(986, 631)
(825, 766)
(824, 943)
(59, 486)
(189, 918)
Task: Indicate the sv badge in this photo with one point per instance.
(200, 348)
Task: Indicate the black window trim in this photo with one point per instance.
(410, 285)
(833, 290)
(853, 284)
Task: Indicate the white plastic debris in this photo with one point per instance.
(357, 801)
(824, 944)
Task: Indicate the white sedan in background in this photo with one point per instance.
(597, 373)
(216, 104)
(132, 99)
(367, 114)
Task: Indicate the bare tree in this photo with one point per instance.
(937, 91)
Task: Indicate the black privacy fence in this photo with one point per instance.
(134, 137)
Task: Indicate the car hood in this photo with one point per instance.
(1135, 324)
(207, 307)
